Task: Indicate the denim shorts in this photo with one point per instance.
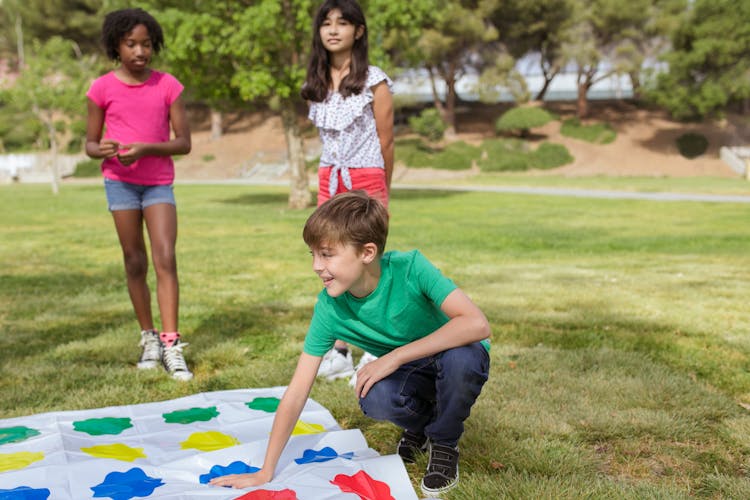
(126, 196)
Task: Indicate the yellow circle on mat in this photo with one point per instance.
(118, 451)
(307, 428)
(209, 441)
(19, 460)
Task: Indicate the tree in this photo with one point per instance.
(248, 52)
(444, 37)
(537, 27)
(709, 65)
(52, 85)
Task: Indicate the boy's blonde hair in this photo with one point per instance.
(348, 218)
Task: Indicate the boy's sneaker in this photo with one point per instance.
(336, 365)
(173, 360)
(366, 358)
(151, 354)
(442, 470)
(409, 445)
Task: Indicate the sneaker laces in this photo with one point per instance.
(173, 358)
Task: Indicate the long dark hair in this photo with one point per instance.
(318, 81)
(119, 23)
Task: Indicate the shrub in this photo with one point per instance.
(429, 124)
(550, 155)
(597, 133)
(415, 153)
(521, 120)
(504, 155)
(692, 145)
(88, 168)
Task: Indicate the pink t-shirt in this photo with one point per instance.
(137, 113)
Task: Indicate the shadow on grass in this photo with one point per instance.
(281, 199)
(425, 194)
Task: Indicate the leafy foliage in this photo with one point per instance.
(522, 119)
(429, 124)
(457, 155)
(692, 145)
(709, 65)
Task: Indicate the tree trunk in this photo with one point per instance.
(635, 84)
(53, 152)
(450, 107)
(435, 97)
(543, 91)
(582, 103)
(216, 128)
(299, 192)
(19, 43)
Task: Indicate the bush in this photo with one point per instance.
(88, 168)
(550, 155)
(692, 145)
(521, 120)
(504, 155)
(597, 133)
(415, 153)
(429, 124)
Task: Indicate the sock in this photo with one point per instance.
(169, 338)
(342, 350)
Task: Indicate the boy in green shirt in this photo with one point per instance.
(432, 341)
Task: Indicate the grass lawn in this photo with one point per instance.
(620, 328)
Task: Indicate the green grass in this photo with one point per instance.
(597, 133)
(620, 328)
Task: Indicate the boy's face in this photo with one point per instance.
(342, 269)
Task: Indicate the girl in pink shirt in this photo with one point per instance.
(130, 111)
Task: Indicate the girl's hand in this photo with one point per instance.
(109, 147)
(129, 153)
(373, 372)
(241, 480)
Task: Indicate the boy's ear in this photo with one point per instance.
(369, 252)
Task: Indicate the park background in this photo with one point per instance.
(620, 347)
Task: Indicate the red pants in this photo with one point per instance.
(371, 180)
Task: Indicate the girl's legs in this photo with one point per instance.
(161, 222)
(129, 226)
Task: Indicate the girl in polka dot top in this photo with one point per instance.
(352, 107)
(350, 104)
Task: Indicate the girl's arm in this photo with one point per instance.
(180, 145)
(287, 414)
(95, 146)
(382, 108)
(467, 324)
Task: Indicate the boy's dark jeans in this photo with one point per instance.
(432, 395)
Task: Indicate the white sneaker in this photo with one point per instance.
(336, 365)
(174, 362)
(151, 354)
(366, 358)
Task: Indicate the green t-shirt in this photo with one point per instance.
(404, 307)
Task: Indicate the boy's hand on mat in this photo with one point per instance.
(373, 372)
(241, 480)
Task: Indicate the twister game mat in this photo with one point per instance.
(172, 449)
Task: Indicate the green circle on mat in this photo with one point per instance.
(264, 404)
(16, 434)
(99, 426)
(191, 415)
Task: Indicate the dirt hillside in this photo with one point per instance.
(253, 145)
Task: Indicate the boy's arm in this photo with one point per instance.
(287, 414)
(467, 325)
